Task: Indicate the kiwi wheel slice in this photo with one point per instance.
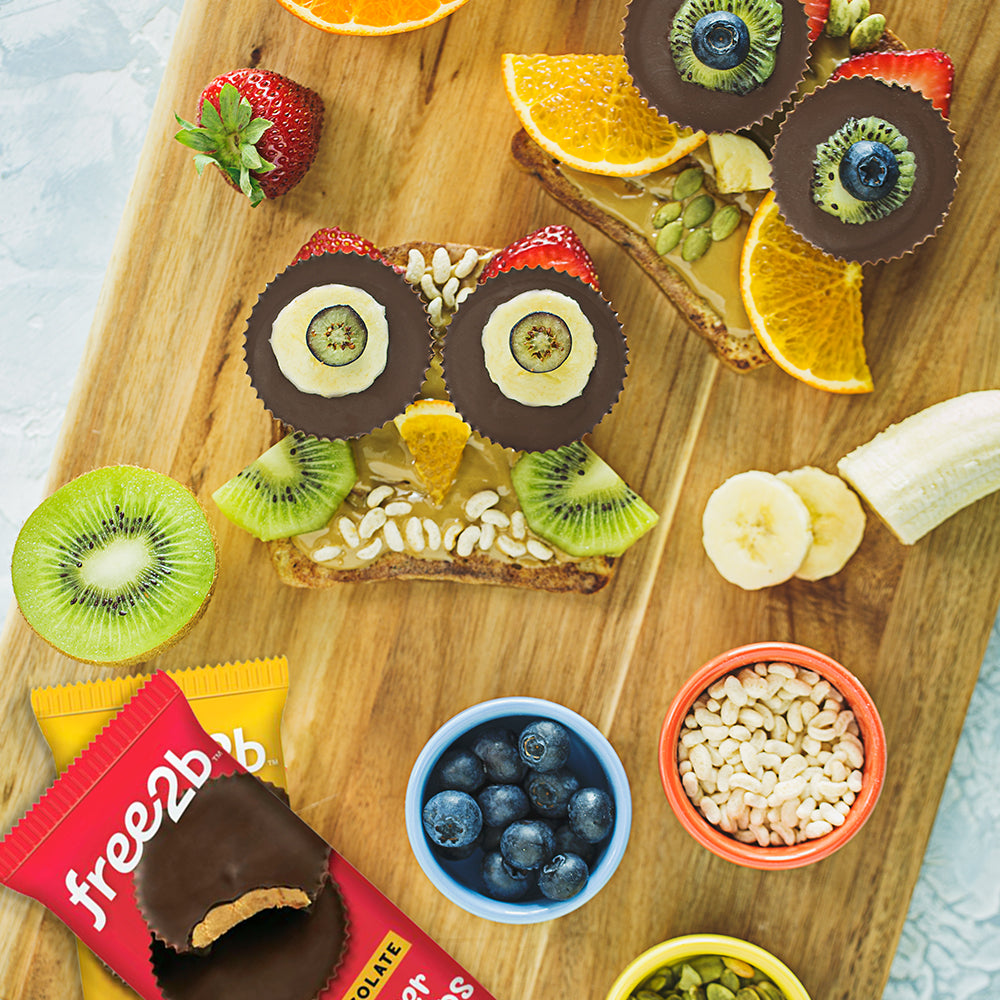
(293, 487)
(115, 565)
(574, 499)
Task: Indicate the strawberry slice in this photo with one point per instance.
(336, 240)
(929, 71)
(818, 11)
(557, 247)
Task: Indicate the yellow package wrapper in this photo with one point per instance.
(240, 704)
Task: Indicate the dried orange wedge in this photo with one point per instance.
(584, 110)
(804, 305)
(370, 17)
(436, 435)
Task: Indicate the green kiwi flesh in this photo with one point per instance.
(292, 488)
(574, 499)
(829, 193)
(115, 565)
(763, 20)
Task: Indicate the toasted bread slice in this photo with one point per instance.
(739, 349)
(559, 572)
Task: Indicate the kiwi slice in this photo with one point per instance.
(726, 45)
(864, 171)
(574, 499)
(115, 565)
(337, 336)
(540, 342)
(293, 487)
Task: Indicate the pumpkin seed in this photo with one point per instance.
(669, 236)
(747, 993)
(716, 991)
(709, 967)
(646, 994)
(768, 990)
(839, 20)
(688, 978)
(730, 980)
(698, 210)
(667, 212)
(695, 244)
(724, 222)
(867, 32)
(658, 981)
(688, 182)
(742, 969)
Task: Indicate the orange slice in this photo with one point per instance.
(584, 110)
(436, 435)
(370, 17)
(804, 305)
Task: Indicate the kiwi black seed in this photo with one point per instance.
(115, 565)
(574, 499)
(864, 171)
(540, 342)
(292, 488)
(337, 336)
(726, 45)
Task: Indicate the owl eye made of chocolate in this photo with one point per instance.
(716, 65)
(337, 345)
(534, 359)
(864, 170)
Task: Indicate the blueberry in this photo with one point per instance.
(497, 749)
(459, 769)
(869, 170)
(502, 804)
(502, 881)
(527, 843)
(567, 842)
(720, 40)
(452, 819)
(550, 791)
(459, 853)
(591, 814)
(544, 745)
(563, 877)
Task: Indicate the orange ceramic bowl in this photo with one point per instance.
(873, 771)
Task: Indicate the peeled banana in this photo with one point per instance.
(917, 473)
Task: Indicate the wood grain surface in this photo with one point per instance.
(416, 147)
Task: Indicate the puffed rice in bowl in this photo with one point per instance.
(772, 755)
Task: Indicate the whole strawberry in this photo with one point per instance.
(259, 128)
(557, 247)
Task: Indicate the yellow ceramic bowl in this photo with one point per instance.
(690, 946)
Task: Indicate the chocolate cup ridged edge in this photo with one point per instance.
(721, 111)
(356, 414)
(504, 421)
(902, 231)
(330, 885)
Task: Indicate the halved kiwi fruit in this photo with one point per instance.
(115, 565)
(293, 487)
(574, 499)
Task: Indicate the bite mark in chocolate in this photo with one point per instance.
(234, 840)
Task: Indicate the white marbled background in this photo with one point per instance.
(78, 79)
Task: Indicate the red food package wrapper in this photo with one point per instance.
(77, 849)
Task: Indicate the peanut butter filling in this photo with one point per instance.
(225, 916)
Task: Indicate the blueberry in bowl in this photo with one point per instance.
(526, 863)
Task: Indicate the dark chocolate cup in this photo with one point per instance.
(234, 836)
(506, 421)
(646, 47)
(815, 118)
(278, 954)
(357, 413)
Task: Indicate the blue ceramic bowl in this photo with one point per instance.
(592, 759)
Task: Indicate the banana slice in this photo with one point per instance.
(917, 473)
(756, 530)
(838, 520)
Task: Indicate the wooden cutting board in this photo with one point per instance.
(416, 147)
